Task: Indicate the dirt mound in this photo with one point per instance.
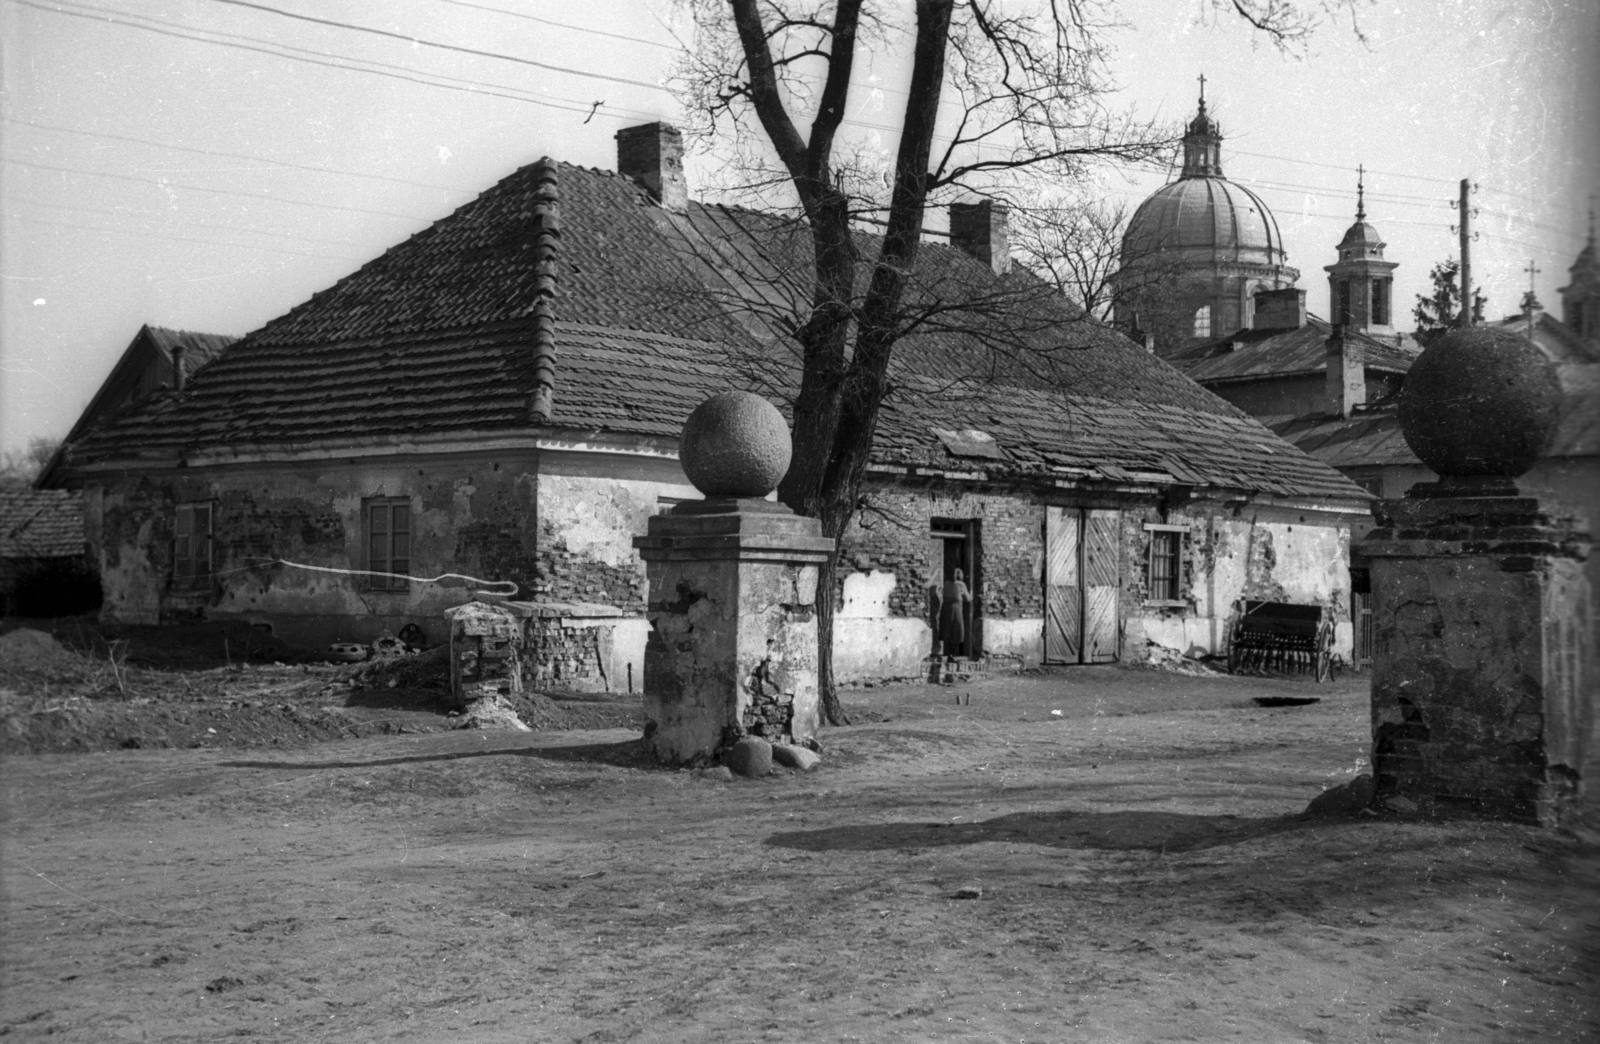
(38, 655)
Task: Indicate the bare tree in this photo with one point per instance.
(24, 466)
(1029, 93)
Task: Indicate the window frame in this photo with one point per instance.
(1202, 316)
(382, 559)
(1177, 557)
(192, 551)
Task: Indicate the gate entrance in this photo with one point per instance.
(1082, 567)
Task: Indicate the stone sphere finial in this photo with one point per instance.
(1481, 401)
(735, 444)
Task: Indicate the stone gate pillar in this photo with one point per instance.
(1482, 685)
(732, 649)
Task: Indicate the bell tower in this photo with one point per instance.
(1580, 299)
(1361, 282)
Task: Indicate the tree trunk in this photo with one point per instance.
(827, 576)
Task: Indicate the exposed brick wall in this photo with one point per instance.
(892, 532)
(557, 657)
(561, 575)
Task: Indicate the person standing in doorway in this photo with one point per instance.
(953, 614)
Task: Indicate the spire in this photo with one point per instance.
(1361, 193)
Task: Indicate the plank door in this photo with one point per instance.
(1063, 586)
(1101, 570)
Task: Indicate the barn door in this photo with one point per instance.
(1063, 588)
(1101, 569)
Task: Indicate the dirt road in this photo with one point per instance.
(1137, 869)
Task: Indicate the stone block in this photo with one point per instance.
(750, 757)
(795, 757)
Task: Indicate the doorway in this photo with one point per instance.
(956, 546)
(1082, 576)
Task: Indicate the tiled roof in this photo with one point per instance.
(1276, 353)
(435, 336)
(40, 523)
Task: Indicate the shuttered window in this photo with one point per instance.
(191, 545)
(388, 543)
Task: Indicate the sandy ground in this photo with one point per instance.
(1139, 870)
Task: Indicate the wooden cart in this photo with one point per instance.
(1281, 636)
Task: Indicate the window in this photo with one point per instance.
(1164, 565)
(1380, 301)
(1202, 321)
(191, 546)
(388, 542)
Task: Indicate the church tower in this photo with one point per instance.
(1361, 282)
(1198, 250)
(1580, 299)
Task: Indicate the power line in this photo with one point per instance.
(180, 239)
(186, 222)
(182, 32)
(417, 41)
(562, 25)
(220, 192)
(230, 155)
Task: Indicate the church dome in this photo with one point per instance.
(1209, 217)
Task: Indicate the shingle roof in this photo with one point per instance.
(1277, 353)
(435, 336)
(40, 523)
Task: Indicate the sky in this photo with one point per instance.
(209, 164)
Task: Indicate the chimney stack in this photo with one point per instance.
(179, 378)
(1283, 309)
(652, 155)
(1347, 374)
(979, 229)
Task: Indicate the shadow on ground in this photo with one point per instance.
(632, 753)
(1163, 831)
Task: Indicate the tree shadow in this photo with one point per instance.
(632, 753)
(1161, 831)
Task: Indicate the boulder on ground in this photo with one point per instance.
(750, 757)
(715, 773)
(1343, 800)
(1400, 803)
(795, 757)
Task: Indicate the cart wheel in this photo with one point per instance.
(1324, 666)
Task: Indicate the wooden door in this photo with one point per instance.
(1101, 571)
(1063, 588)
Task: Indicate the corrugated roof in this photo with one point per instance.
(654, 311)
(40, 523)
(1278, 353)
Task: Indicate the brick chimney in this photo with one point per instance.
(652, 155)
(1347, 374)
(1283, 309)
(179, 377)
(979, 229)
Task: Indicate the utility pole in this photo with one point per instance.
(1465, 212)
(1532, 298)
